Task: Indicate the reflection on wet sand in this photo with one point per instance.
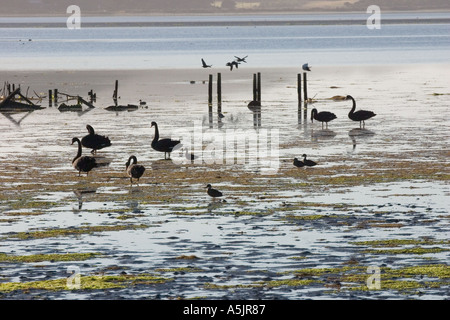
(255, 108)
(14, 121)
(79, 194)
(323, 134)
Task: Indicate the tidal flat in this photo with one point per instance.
(370, 221)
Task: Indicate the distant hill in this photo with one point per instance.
(148, 7)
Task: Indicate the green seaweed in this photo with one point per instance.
(85, 283)
(40, 234)
(48, 257)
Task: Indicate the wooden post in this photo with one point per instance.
(299, 88)
(305, 88)
(259, 87)
(50, 98)
(219, 93)
(210, 85)
(255, 97)
(55, 96)
(116, 89)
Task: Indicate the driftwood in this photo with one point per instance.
(74, 107)
(128, 107)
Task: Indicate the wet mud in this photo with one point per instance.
(370, 221)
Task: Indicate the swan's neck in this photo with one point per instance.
(353, 106)
(79, 151)
(156, 138)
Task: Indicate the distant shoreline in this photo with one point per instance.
(225, 23)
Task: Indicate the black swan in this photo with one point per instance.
(213, 192)
(163, 145)
(82, 163)
(360, 115)
(308, 162)
(94, 141)
(298, 163)
(133, 169)
(204, 65)
(323, 116)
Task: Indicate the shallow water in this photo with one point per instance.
(182, 46)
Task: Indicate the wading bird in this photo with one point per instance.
(213, 192)
(360, 115)
(323, 116)
(94, 141)
(163, 145)
(133, 169)
(82, 163)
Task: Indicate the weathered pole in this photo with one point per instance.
(255, 89)
(259, 87)
(210, 85)
(219, 93)
(305, 87)
(210, 99)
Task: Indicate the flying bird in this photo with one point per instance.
(298, 163)
(308, 162)
(82, 163)
(133, 169)
(241, 59)
(231, 64)
(204, 65)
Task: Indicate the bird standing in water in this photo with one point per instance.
(163, 145)
(94, 141)
(213, 192)
(360, 115)
(133, 169)
(323, 116)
